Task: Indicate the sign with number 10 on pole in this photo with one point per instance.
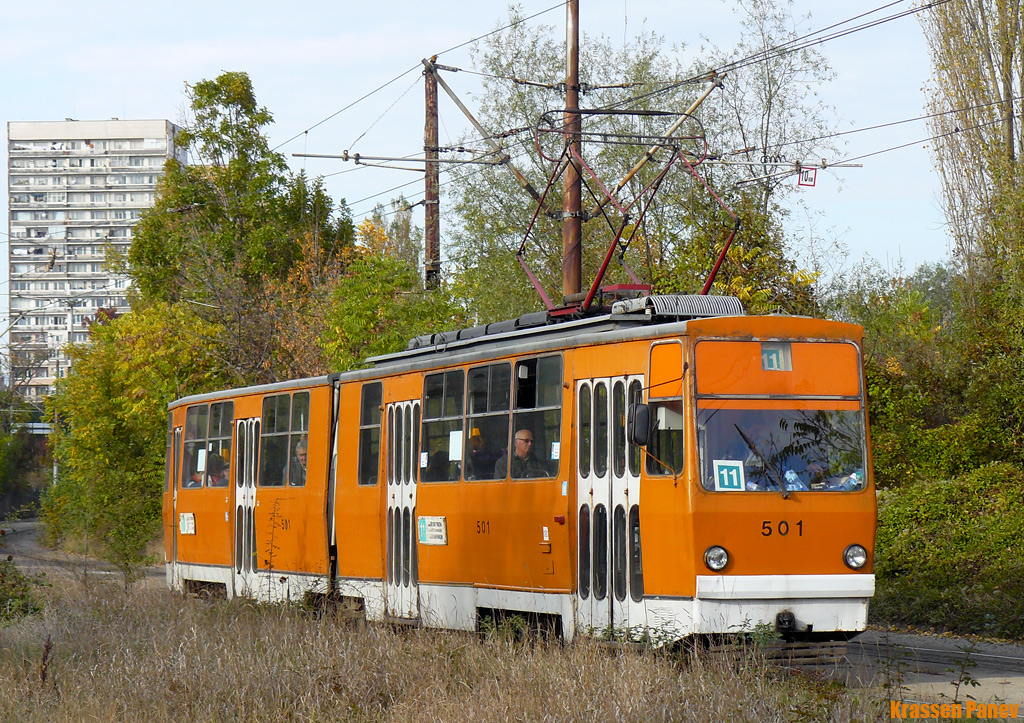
(728, 476)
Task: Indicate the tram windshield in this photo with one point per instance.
(765, 450)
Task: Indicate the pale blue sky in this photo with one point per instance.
(307, 60)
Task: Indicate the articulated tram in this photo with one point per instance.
(673, 466)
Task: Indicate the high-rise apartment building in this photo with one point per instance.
(76, 189)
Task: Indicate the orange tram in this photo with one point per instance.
(674, 467)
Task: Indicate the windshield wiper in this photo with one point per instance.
(772, 474)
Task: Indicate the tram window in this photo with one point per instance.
(298, 443)
(401, 448)
(538, 416)
(391, 445)
(601, 429)
(619, 428)
(441, 435)
(406, 544)
(274, 440)
(585, 427)
(619, 552)
(415, 442)
(218, 447)
(194, 466)
(369, 434)
(584, 574)
(635, 397)
(600, 552)
(414, 554)
(665, 449)
(391, 545)
(488, 391)
(636, 566)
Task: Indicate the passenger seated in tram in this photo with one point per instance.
(438, 468)
(525, 464)
(480, 458)
(217, 472)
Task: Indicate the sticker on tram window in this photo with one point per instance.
(556, 450)
(187, 523)
(433, 530)
(728, 476)
(776, 356)
(424, 459)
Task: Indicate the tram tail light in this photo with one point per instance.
(716, 558)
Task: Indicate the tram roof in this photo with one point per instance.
(641, 311)
(532, 328)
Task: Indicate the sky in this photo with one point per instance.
(310, 60)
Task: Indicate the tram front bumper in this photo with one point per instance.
(805, 603)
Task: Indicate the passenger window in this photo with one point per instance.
(489, 390)
(274, 440)
(197, 421)
(218, 448)
(369, 434)
(535, 449)
(441, 450)
(665, 449)
(298, 443)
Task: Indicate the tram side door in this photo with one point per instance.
(247, 438)
(401, 588)
(608, 486)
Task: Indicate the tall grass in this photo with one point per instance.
(97, 653)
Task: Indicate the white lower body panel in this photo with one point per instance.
(819, 603)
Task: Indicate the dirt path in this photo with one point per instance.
(20, 540)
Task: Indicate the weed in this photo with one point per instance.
(152, 656)
(963, 672)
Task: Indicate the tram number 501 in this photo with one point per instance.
(769, 528)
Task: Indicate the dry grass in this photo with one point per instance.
(154, 656)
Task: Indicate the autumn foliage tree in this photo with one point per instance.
(109, 420)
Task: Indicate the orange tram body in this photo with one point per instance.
(674, 467)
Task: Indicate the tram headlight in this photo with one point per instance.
(716, 558)
(855, 557)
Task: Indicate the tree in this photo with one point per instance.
(676, 242)
(978, 79)
(378, 306)
(109, 420)
(227, 232)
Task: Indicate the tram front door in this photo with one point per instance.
(608, 590)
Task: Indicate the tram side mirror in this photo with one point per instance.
(638, 424)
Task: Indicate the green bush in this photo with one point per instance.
(17, 593)
(949, 553)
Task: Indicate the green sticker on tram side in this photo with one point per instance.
(728, 475)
